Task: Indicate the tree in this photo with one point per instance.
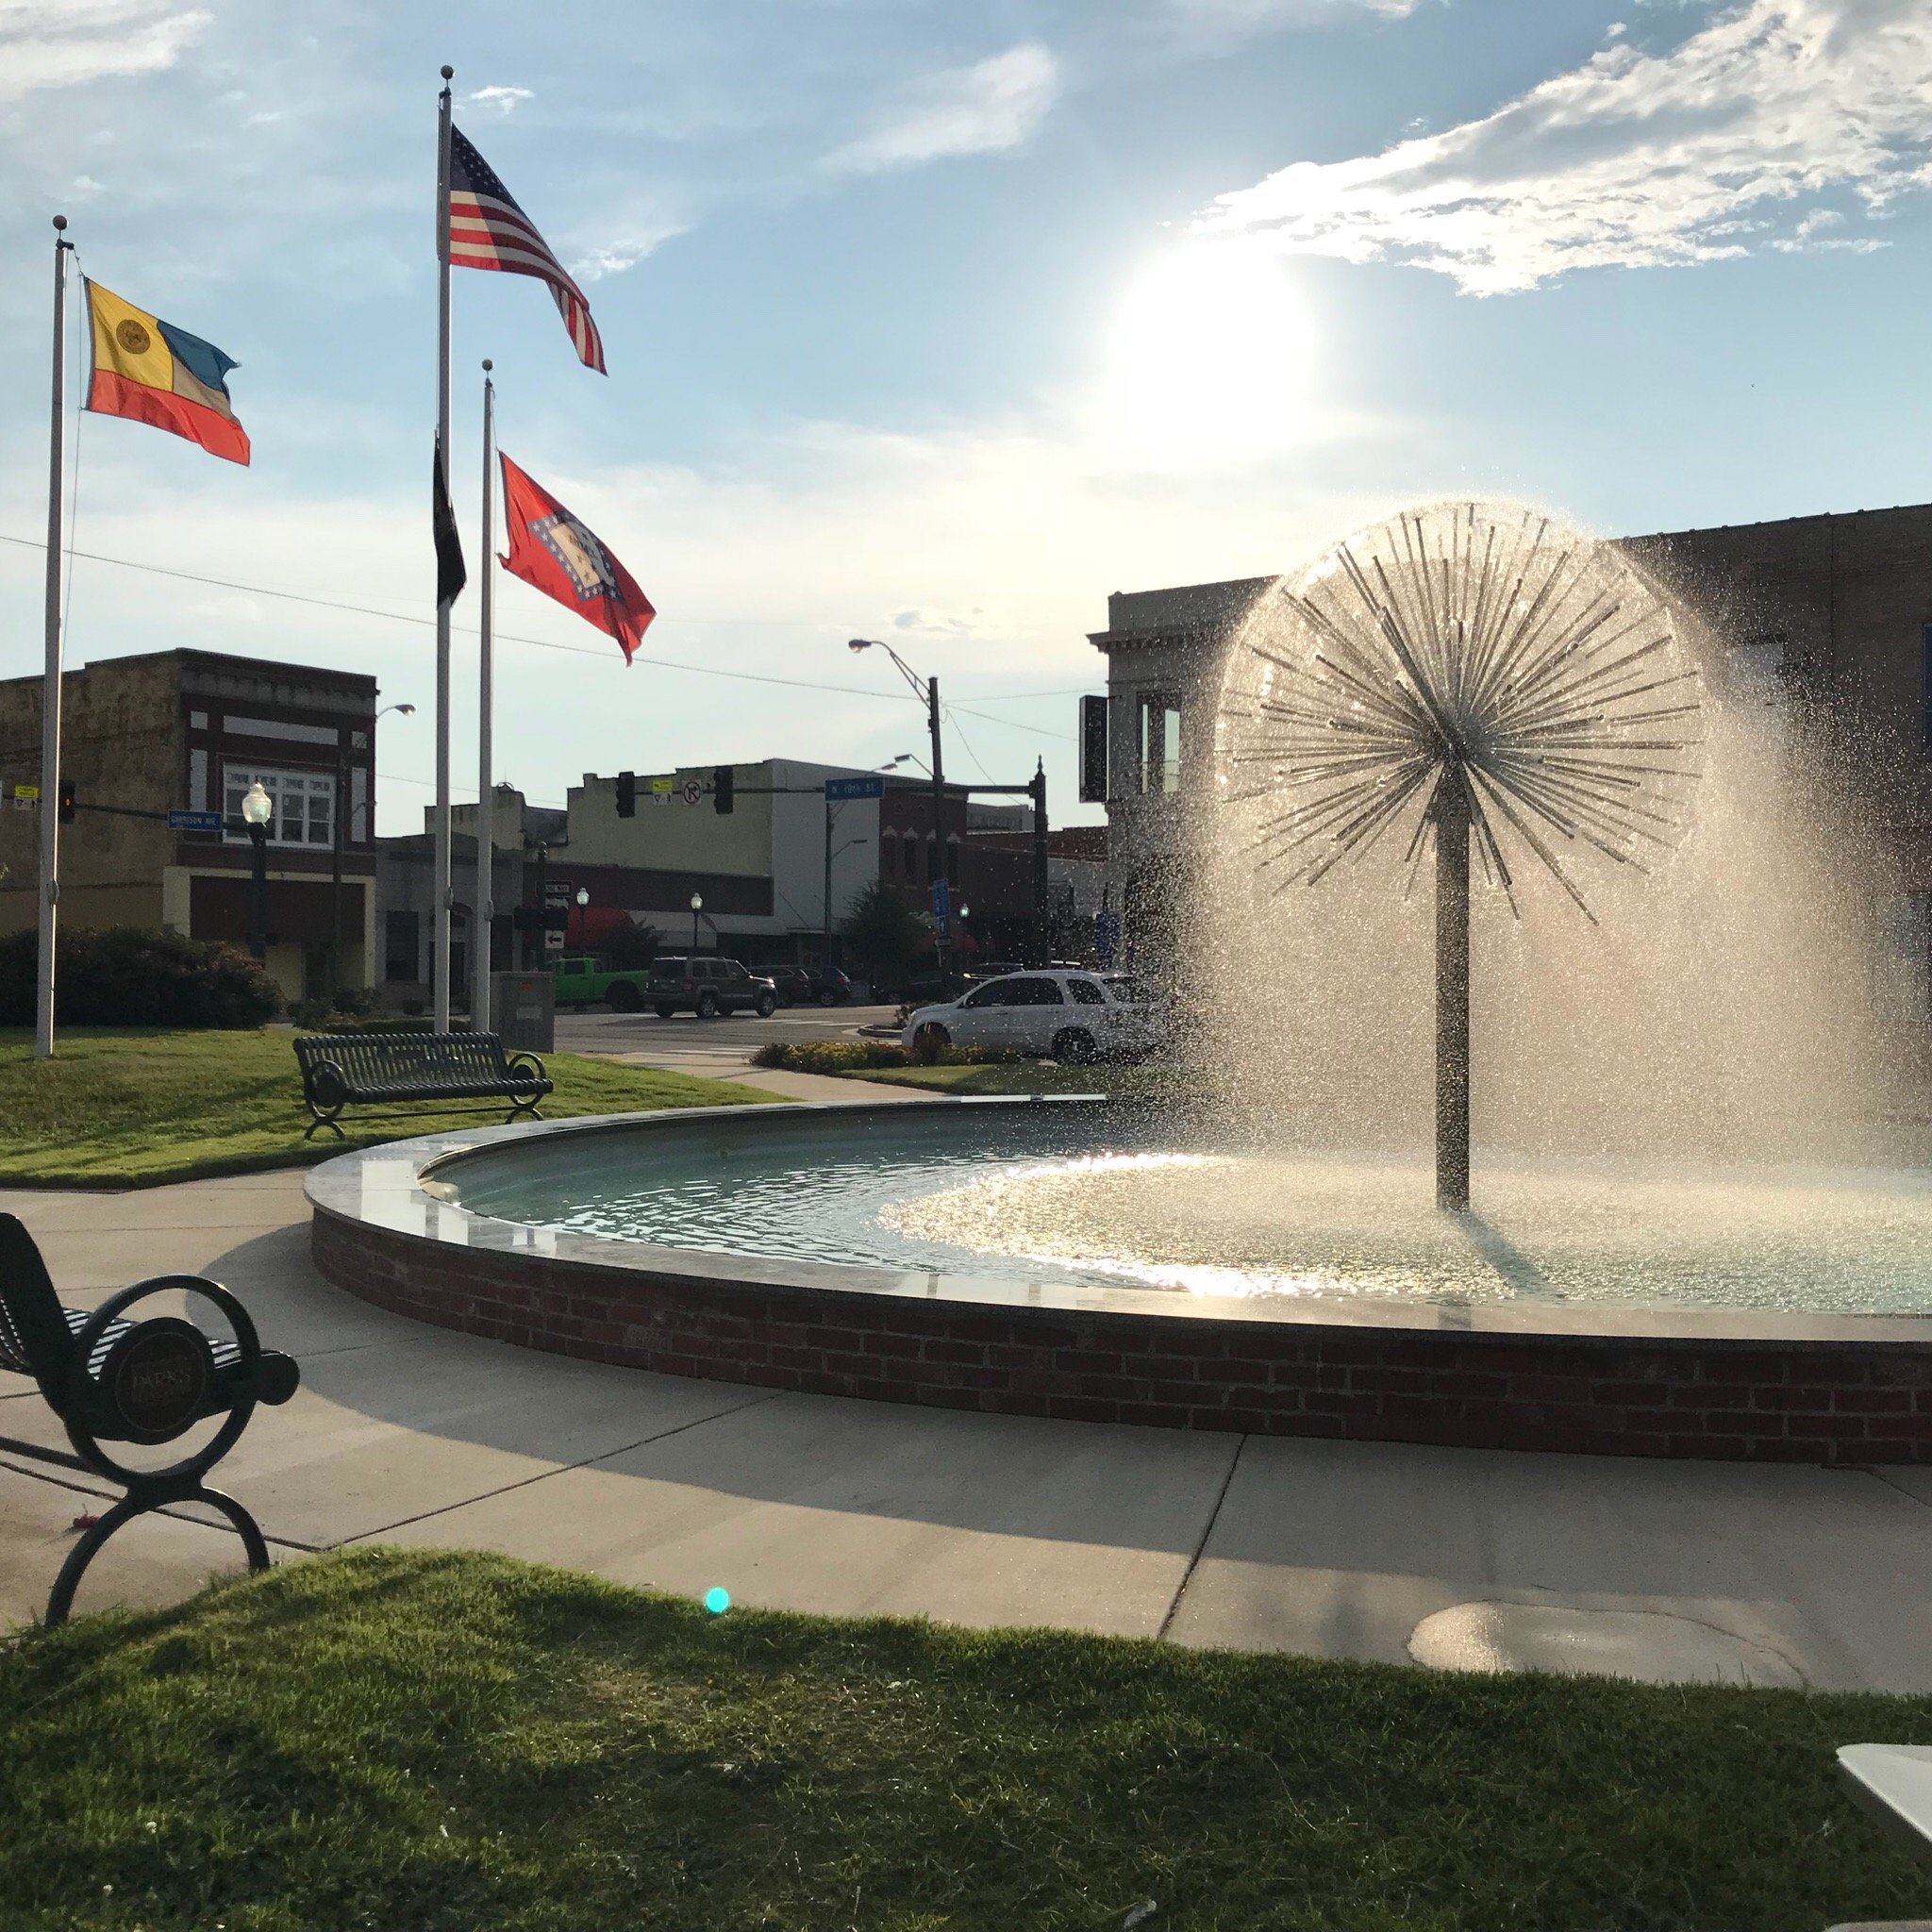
(885, 933)
(630, 947)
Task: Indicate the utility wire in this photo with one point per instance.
(510, 636)
(504, 636)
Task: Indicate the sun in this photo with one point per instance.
(1208, 358)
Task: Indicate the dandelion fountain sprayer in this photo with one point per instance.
(1463, 676)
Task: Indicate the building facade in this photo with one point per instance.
(191, 731)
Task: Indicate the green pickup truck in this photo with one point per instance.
(584, 981)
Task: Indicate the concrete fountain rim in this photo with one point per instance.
(398, 1190)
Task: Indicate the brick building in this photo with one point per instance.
(193, 730)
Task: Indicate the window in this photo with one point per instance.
(992, 994)
(305, 804)
(1160, 743)
(1029, 991)
(401, 949)
(889, 855)
(1086, 994)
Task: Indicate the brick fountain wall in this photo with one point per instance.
(1844, 1403)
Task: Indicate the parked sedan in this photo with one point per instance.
(1069, 1016)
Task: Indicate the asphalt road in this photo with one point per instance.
(684, 1036)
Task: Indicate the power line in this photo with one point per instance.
(540, 644)
(855, 690)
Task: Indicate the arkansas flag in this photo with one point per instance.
(551, 549)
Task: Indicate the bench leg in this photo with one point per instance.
(521, 1109)
(325, 1119)
(60, 1600)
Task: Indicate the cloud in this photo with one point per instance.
(1634, 159)
(504, 99)
(48, 46)
(990, 107)
(621, 236)
(1257, 16)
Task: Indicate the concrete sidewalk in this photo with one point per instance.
(1490, 1561)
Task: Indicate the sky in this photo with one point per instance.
(937, 320)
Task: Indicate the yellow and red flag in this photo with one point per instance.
(156, 372)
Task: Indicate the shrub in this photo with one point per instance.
(348, 1009)
(130, 975)
(855, 1056)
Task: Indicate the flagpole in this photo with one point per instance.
(442, 970)
(50, 697)
(486, 831)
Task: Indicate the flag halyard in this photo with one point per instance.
(487, 229)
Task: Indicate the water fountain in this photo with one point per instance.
(1658, 1260)
(1470, 674)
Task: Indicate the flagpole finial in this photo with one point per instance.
(449, 74)
(487, 365)
(60, 224)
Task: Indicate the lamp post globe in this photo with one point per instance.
(697, 905)
(258, 808)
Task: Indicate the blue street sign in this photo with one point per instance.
(871, 786)
(941, 900)
(194, 822)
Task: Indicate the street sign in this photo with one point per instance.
(942, 900)
(28, 792)
(662, 789)
(556, 898)
(871, 786)
(194, 822)
(694, 792)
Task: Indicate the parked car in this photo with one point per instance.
(830, 988)
(583, 981)
(1071, 1016)
(680, 983)
(793, 984)
(797, 987)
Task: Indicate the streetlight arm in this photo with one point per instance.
(906, 670)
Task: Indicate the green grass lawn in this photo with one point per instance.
(118, 1107)
(447, 1743)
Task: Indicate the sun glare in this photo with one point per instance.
(1208, 358)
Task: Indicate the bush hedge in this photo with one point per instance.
(852, 1056)
(132, 975)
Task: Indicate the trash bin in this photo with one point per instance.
(523, 1009)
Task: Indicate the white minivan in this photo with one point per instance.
(1068, 1016)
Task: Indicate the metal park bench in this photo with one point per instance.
(113, 1379)
(341, 1070)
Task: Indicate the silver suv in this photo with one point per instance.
(683, 984)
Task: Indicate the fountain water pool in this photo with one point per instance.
(856, 1250)
(1085, 1197)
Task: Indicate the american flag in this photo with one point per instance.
(487, 229)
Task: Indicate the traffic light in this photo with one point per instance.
(720, 789)
(626, 794)
(66, 806)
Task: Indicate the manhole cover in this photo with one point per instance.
(1650, 1645)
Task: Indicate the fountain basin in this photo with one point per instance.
(497, 1231)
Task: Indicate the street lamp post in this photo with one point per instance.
(697, 905)
(927, 689)
(258, 808)
(825, 899)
